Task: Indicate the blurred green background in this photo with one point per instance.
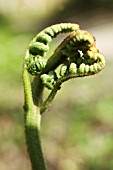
(77, 130)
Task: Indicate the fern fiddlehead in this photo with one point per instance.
(76, 56)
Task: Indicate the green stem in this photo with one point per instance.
(28, 104)
(32, 127)
(37, 90)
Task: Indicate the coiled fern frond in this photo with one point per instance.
(76, 56)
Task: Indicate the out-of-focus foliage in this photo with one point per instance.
(77, 131)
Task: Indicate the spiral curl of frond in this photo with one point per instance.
(76, 56)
